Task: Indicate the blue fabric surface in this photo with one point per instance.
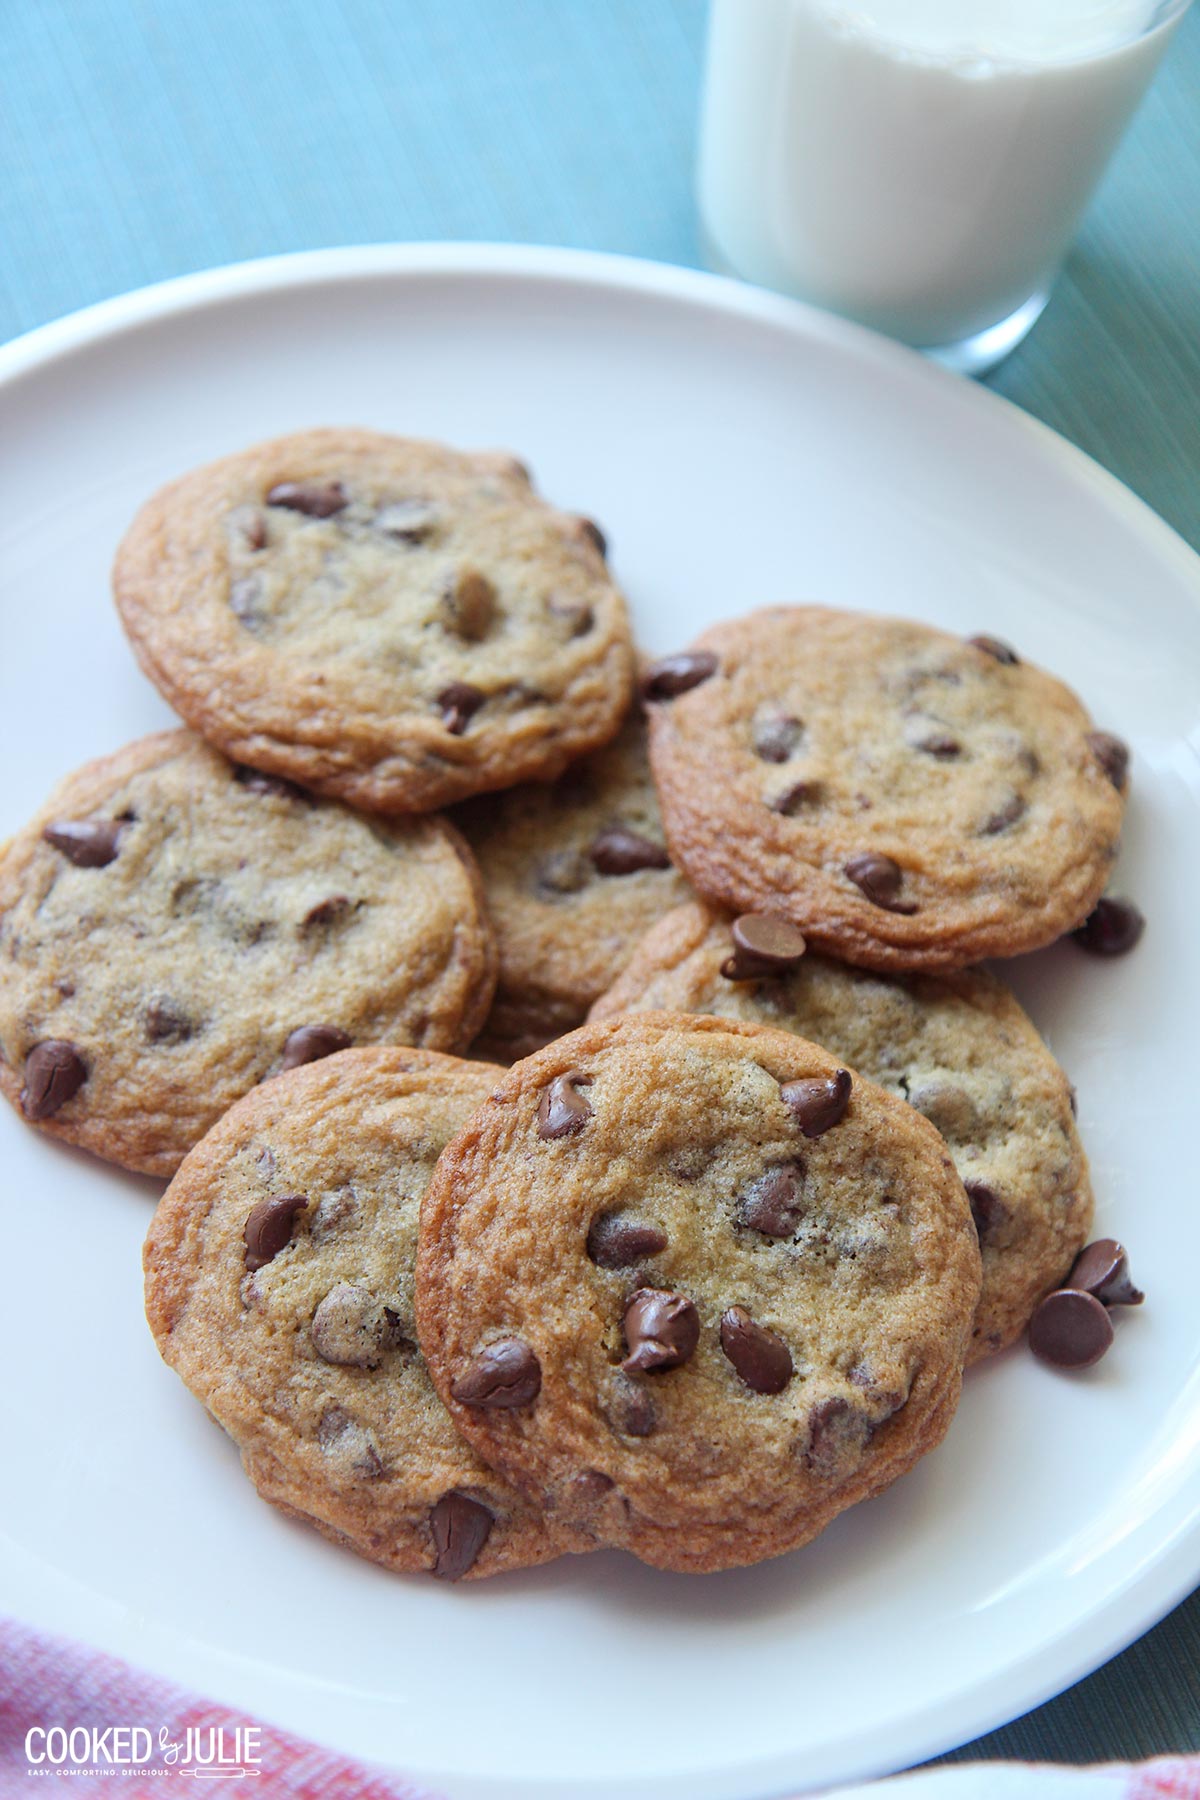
(141, 140)
(144, 138)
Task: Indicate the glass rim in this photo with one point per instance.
(1163, 14)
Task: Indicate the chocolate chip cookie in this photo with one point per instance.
(279, 1285)
(958, 1047)
(575, 872)
(696, 1286)
(175, 928)
(907, 798)
(392, 623)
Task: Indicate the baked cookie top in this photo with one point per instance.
(575, 872)
(174, 928)
(958, 1047)
(393, 623)
(908, 798)
(279, 1285)
(696, 1286)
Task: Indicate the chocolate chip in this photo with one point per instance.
(794, 798)
(676, 674)
(884, 1401)
(763, 944)
(577, 615)
(631, 1411)
(332, 1425)
(588, 1486)
(309, 1043)
(328, 912)
(165, 1022)
(662, 1330)
(995, 648)
(268, 1228)
(340, 1432)
(987, 1209)
(772, 1204)
(776, 737)
(935, 743)
(1012, 809)
(351, 1328)
(460, 1527)
(618, 851)
(409, 521)
(1112, 755)
(578, 1498)
(393, 1334)
(818, 1102)
(562, 1110)
(88, 843)
(1102, 1269)
(1070, 1329)
(761, 1358)
(562, 872)
(589, 530)
(1113, 928)
(315, 499)
(459, 703)
(505, 1373)
(615, 1241)
(879, 878)
(827, 1423)
(54, 1072)
(245, 596)
(469, 605)
(247, 526)
(272, 786)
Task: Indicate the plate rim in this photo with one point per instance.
(199, 289)
(1162, 1578)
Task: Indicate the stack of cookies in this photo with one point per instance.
(770, 1163)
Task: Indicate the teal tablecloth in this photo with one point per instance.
(144, 138)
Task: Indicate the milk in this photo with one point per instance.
(919, 165)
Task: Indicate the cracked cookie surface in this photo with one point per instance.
(279, 1286)
(958, 1047)
(575, 872)
(907, 798)
(393, 623)
(695, 1287)
(174, 929)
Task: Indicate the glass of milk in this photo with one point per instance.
(918, 165)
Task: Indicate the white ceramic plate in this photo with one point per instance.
(739, 450)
